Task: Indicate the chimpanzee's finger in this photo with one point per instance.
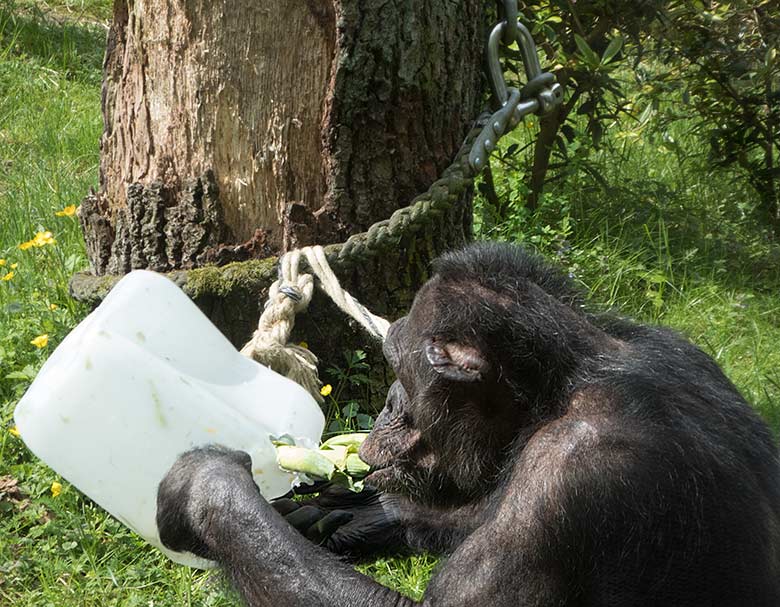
(314, 487)
(335, 497)
(304, 517)
(324, 528)
(285, 506)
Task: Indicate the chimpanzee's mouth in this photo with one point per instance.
(377, 474)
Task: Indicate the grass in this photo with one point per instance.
(660, 235)
(60, 550)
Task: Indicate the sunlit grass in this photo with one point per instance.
(669, 241)
(62, 550)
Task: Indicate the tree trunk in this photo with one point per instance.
(240, 130)
(273, 124)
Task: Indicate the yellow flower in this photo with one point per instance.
(8, 276)
(2, 262)
(56, 489)
(14, 266)
(41, 341)
(14, 431)
(41, 239)
(326, 389)
(68, 211)
(53, 306)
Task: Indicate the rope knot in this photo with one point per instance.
(290, 294)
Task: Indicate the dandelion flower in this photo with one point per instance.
(41, 341)
(2, 262)
(68, 211)
(326, 390)
(56, 489)
(14, 266)
(53, 306)
(14, 431)
(8, 276)
(43, 238)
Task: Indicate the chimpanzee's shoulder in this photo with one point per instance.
(579, 439)
(592, 462)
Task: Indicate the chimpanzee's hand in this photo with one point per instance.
(197, 492)
(347, 523)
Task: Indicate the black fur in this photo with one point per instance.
(558, 456)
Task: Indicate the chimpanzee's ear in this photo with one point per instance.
(456, 361)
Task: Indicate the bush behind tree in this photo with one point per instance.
(716, 63)
(725, 57)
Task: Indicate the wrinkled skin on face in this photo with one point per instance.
(556, 456)
(445, 431)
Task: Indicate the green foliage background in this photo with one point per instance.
(639, 214)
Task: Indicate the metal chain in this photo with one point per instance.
(508, 11)
(540, 94)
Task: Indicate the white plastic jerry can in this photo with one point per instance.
(143, 378)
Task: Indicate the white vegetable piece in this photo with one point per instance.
(144, 378)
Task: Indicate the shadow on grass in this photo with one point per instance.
(722, 242)
(73, 49)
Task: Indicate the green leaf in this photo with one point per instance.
(350, 410)
(284, 439)
(582, 44)
(355, 466)
(646, 115)
(308, 461)
(353, 440)
(337, 455)
(365, 422)
(591, 58)
(17, 375)
(613, 48)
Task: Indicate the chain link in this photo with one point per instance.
(507, 10)
(540, 94)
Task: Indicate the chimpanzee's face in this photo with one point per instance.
(448, 419)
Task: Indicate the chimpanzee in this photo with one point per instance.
(556, 456)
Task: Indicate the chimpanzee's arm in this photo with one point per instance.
(270, 565)
(209, 505)
(441, 530)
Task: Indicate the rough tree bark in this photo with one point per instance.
(240, 130)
